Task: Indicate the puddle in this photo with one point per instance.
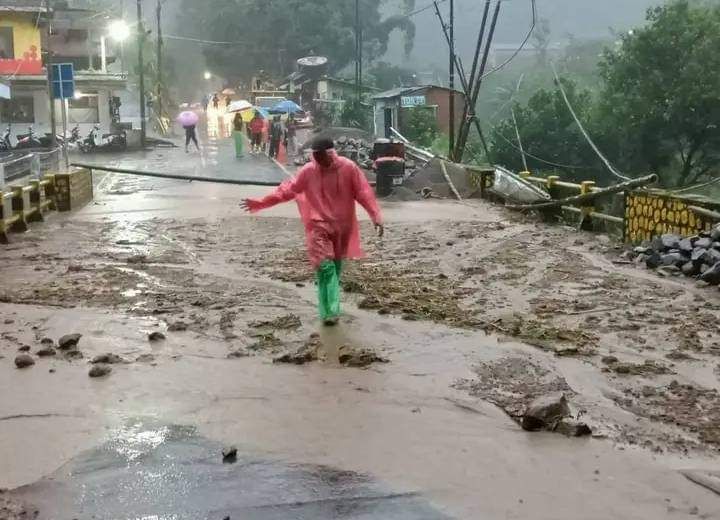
(160, 472)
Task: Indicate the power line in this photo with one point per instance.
(540, 159)
(198, 40)
(522, 45)
(582, 129)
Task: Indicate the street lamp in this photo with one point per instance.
(207, 75)
(119, 30)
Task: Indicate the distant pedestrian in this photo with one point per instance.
(238, 134)
(205, 102)
(326, 191)
(291, 136)
(276, 137)
(228, 100)
(257, 124)
(190, 135)
(215, 101)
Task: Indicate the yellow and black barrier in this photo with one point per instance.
(651, 213)
(647, 213)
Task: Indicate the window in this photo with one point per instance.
(17, 110)
(84, 109)
(7, 47)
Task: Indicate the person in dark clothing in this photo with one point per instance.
(190, 135)
(216, 101)
(276, 135)
(228, 100)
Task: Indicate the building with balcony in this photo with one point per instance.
(30, 38)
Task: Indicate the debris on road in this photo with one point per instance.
(286, 322)
(24, 361)
(358, 357)
(109, 359)
(545, 412)
(99, 370)
(229, 454)
(156, 336)
(306, 353)
(69, 341)
(671, 255)
(46, 352)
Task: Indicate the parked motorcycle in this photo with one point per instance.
(97, 142)
(7, 143)
(29, 140)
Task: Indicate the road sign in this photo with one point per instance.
(412, 101)
(63, 80)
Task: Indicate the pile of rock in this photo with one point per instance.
(357, 150)
(697, 256)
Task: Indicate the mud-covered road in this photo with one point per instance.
(458, 318)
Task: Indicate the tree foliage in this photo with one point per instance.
(272, 34)
(655, 108)
(547, 130)
(420, 126)
(385, 76)
(661, 102)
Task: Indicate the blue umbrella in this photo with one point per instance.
(286, 107)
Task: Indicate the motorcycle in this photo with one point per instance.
(29, 140)
(6, 144)
(96, 142)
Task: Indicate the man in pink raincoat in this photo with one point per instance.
(326, 190)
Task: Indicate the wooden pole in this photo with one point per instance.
(588, 197)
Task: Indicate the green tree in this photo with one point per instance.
(661, 101)
(357, 115)
(386, 76)
(547, 130)
(272, 34)
(419, 125)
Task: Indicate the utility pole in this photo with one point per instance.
(141, 67)
(48, 66)
(451, 105)
(357, 49)
(158, 102)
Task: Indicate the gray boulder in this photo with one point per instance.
(697, 255)
(690, 269)
(686, 245)
(69, 341)
(712, 275)
(676, 259)
(704, 242)
(545, 412)
(24, 361)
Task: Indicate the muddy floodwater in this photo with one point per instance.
(199, 323)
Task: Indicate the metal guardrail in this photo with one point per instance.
(28, 166)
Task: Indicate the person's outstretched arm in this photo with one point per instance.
(283, 193)
(365, 195)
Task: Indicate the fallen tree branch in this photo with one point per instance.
(588, 197)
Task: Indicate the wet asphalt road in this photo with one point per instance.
(216, 158)
(151, 471)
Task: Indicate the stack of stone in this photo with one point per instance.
(697, 256)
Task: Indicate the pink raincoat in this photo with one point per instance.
(326, 199)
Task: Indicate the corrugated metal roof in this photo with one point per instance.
(406, 91)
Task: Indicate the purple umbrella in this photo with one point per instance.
(188, 118)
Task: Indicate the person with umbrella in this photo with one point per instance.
(326, 190)
(189, 121)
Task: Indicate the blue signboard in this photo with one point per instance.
(63, 80)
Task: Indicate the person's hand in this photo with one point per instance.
(249, 205)
(380, 230)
